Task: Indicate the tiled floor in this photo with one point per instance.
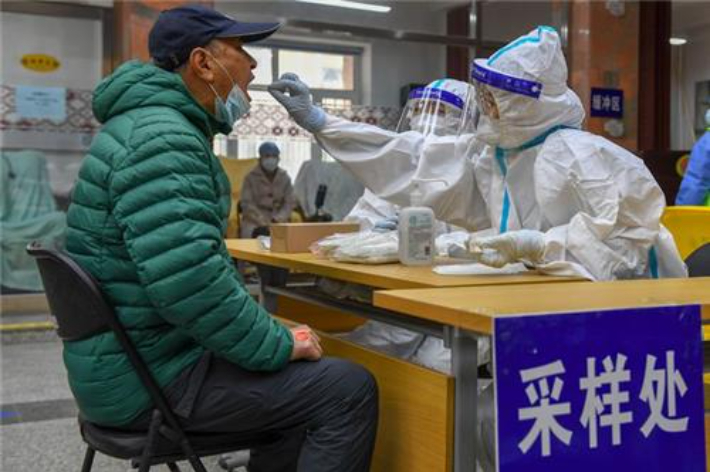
(38, 430)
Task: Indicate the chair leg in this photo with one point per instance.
(88, 459)
(173, 467)
(147, 455)
(196, 464)
(190, 455)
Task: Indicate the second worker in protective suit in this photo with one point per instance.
(436, 113)
(547, 193)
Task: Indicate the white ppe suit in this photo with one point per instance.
(370, 209)
(596, 203)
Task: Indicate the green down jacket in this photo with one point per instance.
(147, 219)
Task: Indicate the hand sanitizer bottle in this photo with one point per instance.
(416, 231)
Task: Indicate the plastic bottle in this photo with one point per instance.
(416, 232)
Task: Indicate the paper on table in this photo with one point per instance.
(479, 269)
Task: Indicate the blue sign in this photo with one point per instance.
(607, 103)
(41, 102)
(607, 390)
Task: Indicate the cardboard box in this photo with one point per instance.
(298, 237)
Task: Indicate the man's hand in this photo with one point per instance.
(298, 102)
(515, 246)
(306, 344)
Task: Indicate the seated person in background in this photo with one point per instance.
(695, 187)
(267, 194)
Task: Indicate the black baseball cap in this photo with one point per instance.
(178, 31)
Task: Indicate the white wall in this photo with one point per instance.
(387, 65)
(395, 64)
(77, 44)
(691, 65)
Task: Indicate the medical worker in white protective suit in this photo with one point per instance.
(434, 114)
(561, 199)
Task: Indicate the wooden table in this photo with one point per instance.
(475, 308)
(443, 409)
(436, 410)
(384, 276)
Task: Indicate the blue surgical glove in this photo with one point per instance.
(298, 102)
(514, 246)
(387, 224)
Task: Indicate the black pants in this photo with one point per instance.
(324, 413)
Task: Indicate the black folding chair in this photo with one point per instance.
(77, 303)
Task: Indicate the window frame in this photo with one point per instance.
(355, 95)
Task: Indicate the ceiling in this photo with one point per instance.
(691, 18)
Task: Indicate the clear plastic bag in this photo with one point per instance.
(366, 247)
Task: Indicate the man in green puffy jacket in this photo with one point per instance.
(148, 218)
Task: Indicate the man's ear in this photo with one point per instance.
(201, 65)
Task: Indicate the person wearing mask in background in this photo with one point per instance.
(148, 219)
(267, 194)
(563, 200)
(695, 187)
(560, 199)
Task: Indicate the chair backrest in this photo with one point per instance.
(236, 170)
(689, 225)
(699, 262)
(73, 295)
(76, 301)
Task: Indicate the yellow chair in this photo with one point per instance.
(236, 170)
(689, 225)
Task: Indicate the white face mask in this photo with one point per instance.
(269, 164)
(430, 124)
(489, 131)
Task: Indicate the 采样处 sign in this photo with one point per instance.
(605, 390)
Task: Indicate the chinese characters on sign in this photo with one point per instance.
(543, 412)
(607, 103)
(621, 389)
(605, 410)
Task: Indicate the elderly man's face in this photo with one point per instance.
(237, 63)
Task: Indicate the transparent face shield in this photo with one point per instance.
(487, 81)
(433, 111)
(470, 116)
